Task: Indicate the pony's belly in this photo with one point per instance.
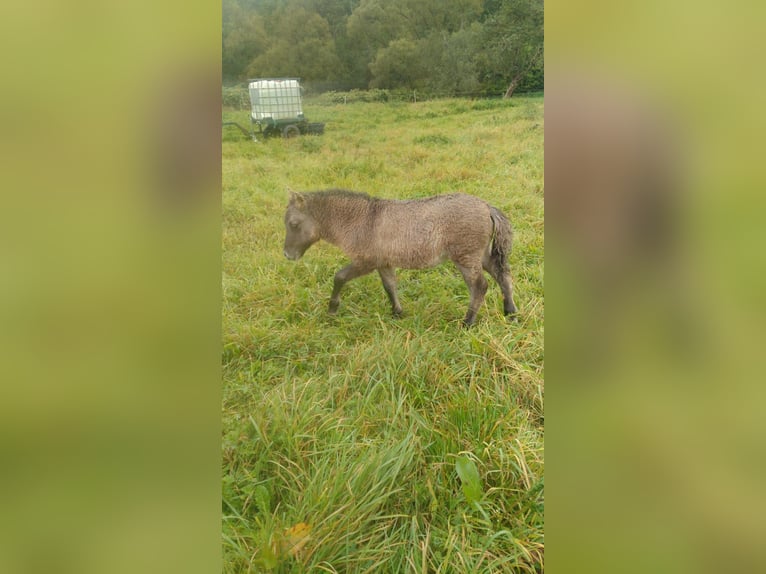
(424, 261)
(408, 251)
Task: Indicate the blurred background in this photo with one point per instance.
(109, 287)
(655, 283)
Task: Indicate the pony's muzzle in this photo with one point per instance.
(291, 256)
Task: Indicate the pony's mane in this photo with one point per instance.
(344, 193)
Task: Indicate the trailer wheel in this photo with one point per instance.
(290, 131)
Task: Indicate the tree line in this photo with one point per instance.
(450, 47)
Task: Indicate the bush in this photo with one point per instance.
(235, 97)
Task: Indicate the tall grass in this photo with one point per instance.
(343, 434)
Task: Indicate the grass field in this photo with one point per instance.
(360, 442)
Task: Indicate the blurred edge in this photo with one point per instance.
(109, 291)
(655, 288)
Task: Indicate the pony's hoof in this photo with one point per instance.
(397, 314)
(470, 318)
(333, 308)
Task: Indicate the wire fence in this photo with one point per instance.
(237, 97)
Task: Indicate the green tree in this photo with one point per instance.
(447, 46)
(399, 65)
(243, 38)
(371, 27)
(428, 16)
(336, 12)
(353, 72)
(375, 25)
(301, 46)
(513, 42)
(456, 72)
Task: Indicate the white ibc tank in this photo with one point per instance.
(275, 99)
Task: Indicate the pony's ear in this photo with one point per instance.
(296, 198)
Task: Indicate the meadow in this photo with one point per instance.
(360, 442)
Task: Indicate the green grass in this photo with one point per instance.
(354, 427)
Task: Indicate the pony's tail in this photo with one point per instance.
(501, 241)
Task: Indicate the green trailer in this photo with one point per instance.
(276, 107)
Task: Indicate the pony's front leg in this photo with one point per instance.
(349, 272)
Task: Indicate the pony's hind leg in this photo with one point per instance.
(503, 279)
(388, 276)
(477, 286)
(349, 272)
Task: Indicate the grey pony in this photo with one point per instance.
(380, 234)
